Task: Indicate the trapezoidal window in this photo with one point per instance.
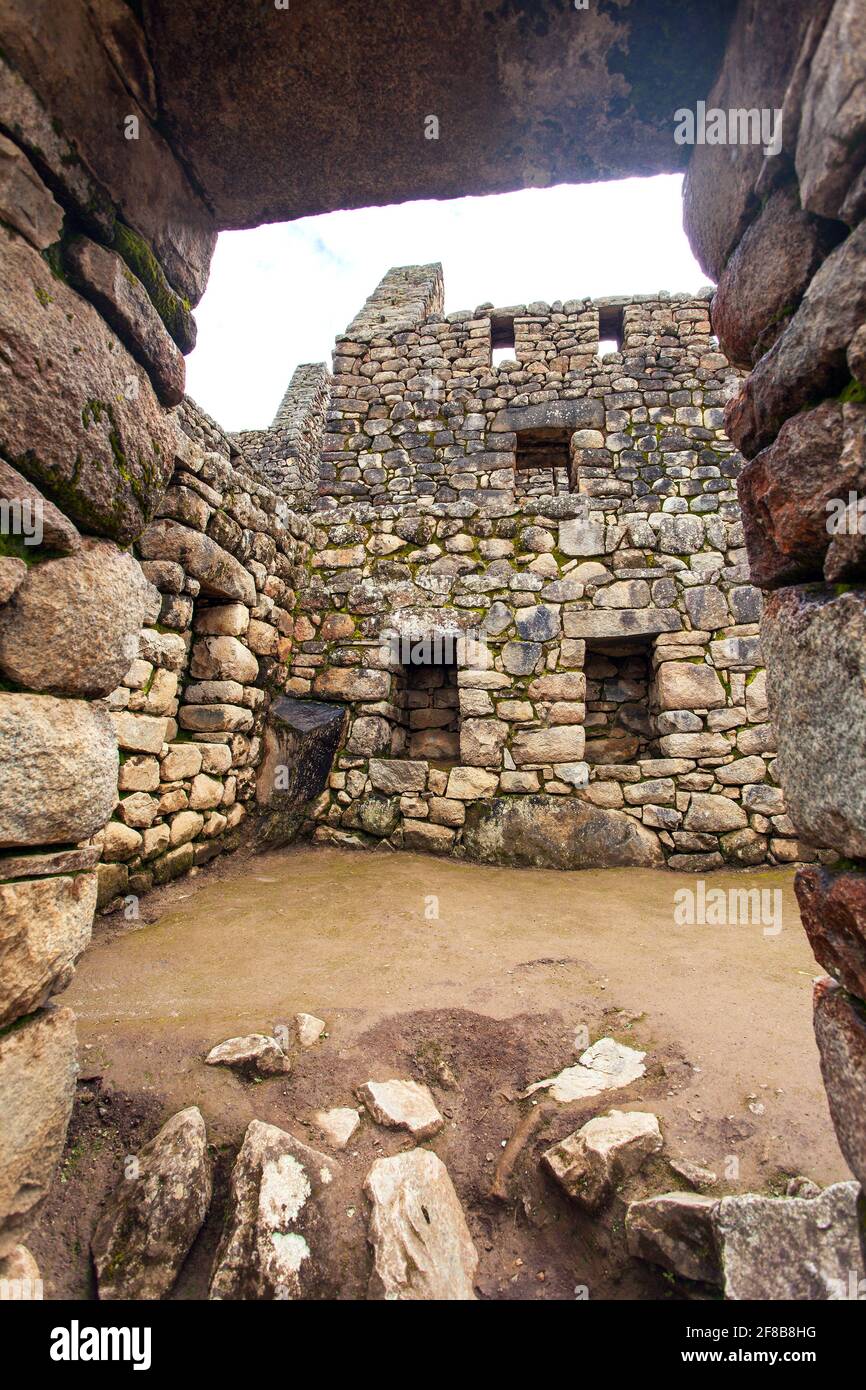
(502, 347)
(610, 328)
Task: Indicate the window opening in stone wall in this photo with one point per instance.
(619, 726)
(542, 461)
(502, 347)
(430, 711)
(610, 329)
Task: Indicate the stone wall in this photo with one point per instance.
(786, 238)
(567, 526)
(286, 456)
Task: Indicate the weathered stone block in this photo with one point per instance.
(833, 910)
(58, 770)
(832, 132)
(563, 744)
(25, 202)
(44, 927)
(352, 683)
(551, 832)
(815, 645)
(218, 572)
(72, 626)
(685, 685)
(840, 1030)
(37, 1088)
(78, 415)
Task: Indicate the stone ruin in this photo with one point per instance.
(529, 587)
(566, 526)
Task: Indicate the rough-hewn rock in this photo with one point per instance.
(58, 532)
(281, 1235)
(677, 1231)
(78, 415)
(549, 832)
(833, 911)
(831, 147)
(589, 1163)
(155, 1213)
(840, 1030)
(808, 360)
(72, 627)
(767, 275)
(815, 644)
(37, 1082)
(218, 572)
(120, 296)
(255, 1052)
(44, 927)
(784, 493)
(684, 685)
(790, 1247)
(58, 770)
(25, 202)
(63, 50)
(402, 1105)
(422, 1248)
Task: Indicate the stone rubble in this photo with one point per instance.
(589, 1163)
(422, 1247)
(606, 1065)
(337, 1126)
(155, 1213)
(254, 1052)
(402, 1105)
(309, 1029)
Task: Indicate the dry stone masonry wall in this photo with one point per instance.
(563, 533)
(580, 514)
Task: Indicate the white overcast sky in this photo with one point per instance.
(278, 295)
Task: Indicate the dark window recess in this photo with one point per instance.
(543, 448)
(501, 340)
(429, 701)
(610, 329)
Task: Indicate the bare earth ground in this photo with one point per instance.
(477, 1002)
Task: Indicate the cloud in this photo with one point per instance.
(278, 295)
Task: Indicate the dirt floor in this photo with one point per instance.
(477, 981)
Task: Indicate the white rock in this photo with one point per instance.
(421, 1243)
(309, 1028)
(277, 1230)
(591, 1161)
(254, 1052)
(402, 1105)
(607, 1065)
(337, 1126)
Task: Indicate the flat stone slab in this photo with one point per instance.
(605, 1066)
(614, 624)
(421, 1243)
(402, 1105)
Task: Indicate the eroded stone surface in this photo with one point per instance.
(590, 1162)
(254, 1052)
(545, 832)
(789, 1247)
(155, 1213)
(44, 927)
(37, 1081)
(422, 1247)
(402, 1105)
(840, 1031)
(677, 1231)
(606, 1065)
(280, 1230)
